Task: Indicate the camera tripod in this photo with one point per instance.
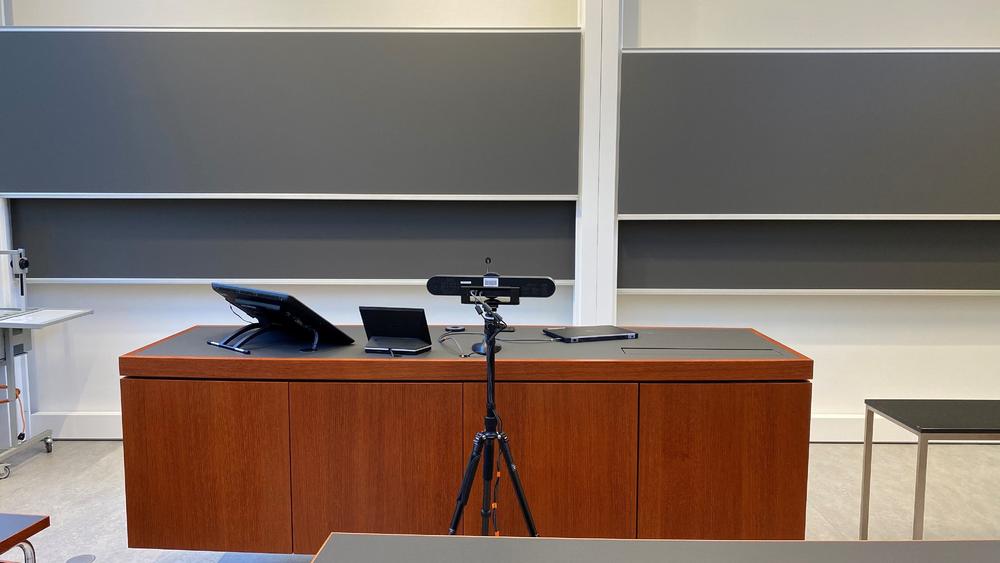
(483, 444)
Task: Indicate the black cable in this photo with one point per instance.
(446, 336)
(239, 316)
(461, 351)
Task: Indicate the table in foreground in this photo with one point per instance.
(375, 548)
(929, 419)
(16, 531)
(682, 433)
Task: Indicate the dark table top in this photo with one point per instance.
(368, 548)
(658, 354)
(16, 528)
(942, 416)
(527, 342)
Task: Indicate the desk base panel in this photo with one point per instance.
(274, 466)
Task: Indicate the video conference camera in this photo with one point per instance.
(497, 289)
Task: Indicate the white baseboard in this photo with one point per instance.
(851, 428)
(108, 426)
(79, 425)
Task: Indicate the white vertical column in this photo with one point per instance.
(6, 12)
(6, 283)
(595, 293)
(7, 295)
(7, 298)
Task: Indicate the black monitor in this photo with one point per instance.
(276, 311)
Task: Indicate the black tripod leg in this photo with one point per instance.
(515, 480)
(488, 471)
(467, 477)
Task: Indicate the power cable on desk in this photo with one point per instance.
(461, 351)
(451, 336)
(239, 316)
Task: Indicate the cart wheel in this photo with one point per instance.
(4, 471)
(48, 445)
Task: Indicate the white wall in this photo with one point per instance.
(863, 346)
(75, 365)
(811, 23)
(75, 382)
(300, 13)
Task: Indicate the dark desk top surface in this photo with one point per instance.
(525, 343)
(369, 548)
(941, 416)
(659, 354)
(15, 528)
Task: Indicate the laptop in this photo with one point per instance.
(395, 330)
(590, 333)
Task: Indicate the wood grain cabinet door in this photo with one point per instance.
(723, 460)
(374, 457)
(575, 448)
(206, 465)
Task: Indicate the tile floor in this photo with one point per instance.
(81, 486)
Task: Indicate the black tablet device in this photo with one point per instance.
(395, 330)
(276, 311)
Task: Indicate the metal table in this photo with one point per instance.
(15, 332)
(929, 419)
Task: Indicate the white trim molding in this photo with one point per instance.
(244, 281)
(79, 425)
(831, 50)
(812, 292)
(127, 29)
(6, 13)
(107, 426)
(809, 216)
(291, 196)
(850, 428)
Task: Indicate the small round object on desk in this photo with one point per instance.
(454, 329)
(4, 471)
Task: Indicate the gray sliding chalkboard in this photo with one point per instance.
(809, 254)
(285, 111)
(287, 239)
(809, 132)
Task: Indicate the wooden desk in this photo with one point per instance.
(682, 433)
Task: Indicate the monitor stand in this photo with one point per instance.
(236, 340)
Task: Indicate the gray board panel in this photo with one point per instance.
(287, 239)
(829, 132)
(809, 254)
(289, 112)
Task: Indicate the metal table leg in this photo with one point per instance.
(29, 551)
(920, 488)
(866, 473)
